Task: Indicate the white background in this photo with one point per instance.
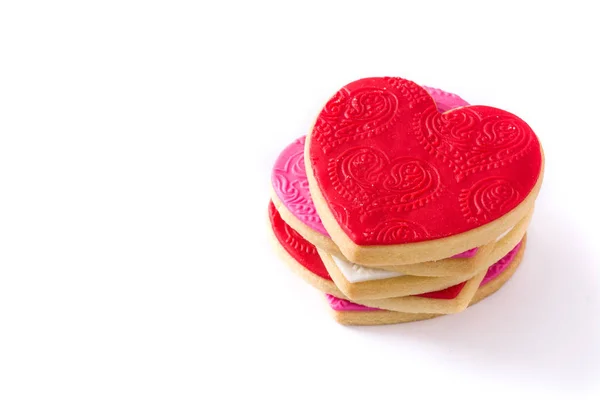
(136, 142)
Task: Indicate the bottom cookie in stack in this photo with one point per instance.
(303, 258)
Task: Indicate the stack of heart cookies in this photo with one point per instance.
(405, 202)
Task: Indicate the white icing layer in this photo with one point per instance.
(357, 273)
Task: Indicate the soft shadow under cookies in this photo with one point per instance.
(540, 324)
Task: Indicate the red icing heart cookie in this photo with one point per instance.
(304, 252)
(300, 255)
(396, 181)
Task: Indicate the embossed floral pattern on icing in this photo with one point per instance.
(471, 140)
(436, 174)
(291, 185)
(488, 197)
(368, 112)
(299, 248)
(360, 171)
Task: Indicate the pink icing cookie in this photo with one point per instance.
(344, 305)
(445, 101)
(291, 184)
(466, 254)
(500, 265)
(496, 269)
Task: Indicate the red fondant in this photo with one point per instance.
(445, 294)
(299, 248)
(306, 254)
(393, 169)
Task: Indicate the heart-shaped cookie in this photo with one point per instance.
(349, 313)
(303, 258)
(396, 181)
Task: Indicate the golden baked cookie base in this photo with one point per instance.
(385, 317)
(410, 285)
(324, 285)
(317, 239)
(413, 305)
(413, 253)
(463, 267)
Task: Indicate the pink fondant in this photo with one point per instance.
(445, 101)
(291, 185)
(500, 265)
(466, 254)
(344, 305)
(492, 273)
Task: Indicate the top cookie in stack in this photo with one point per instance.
(409, 187)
